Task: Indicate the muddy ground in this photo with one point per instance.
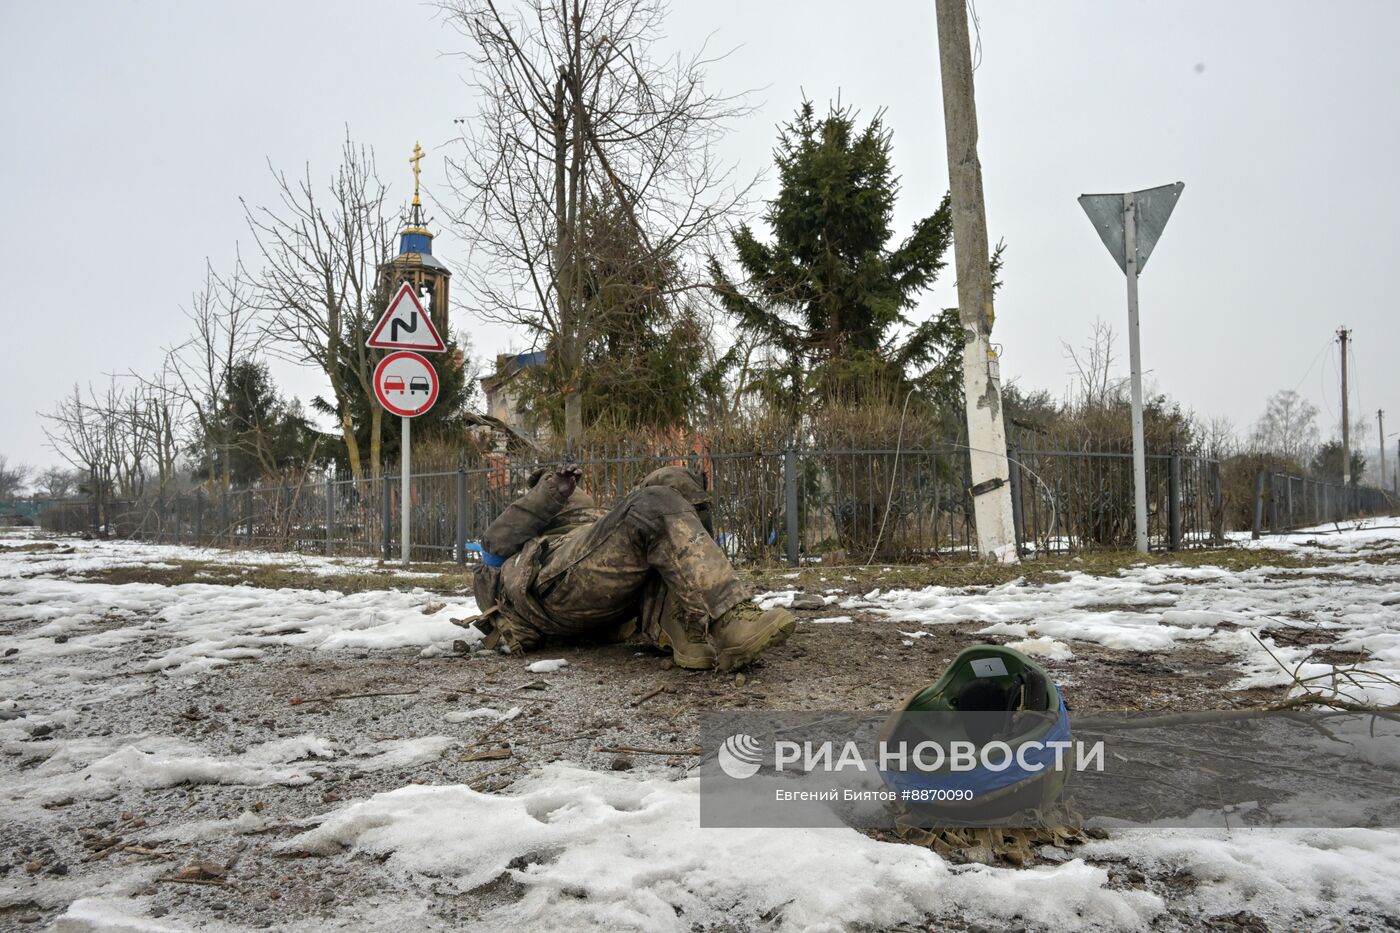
(616, 706)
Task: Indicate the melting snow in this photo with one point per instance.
(608, 851)
(547, 667)
(624, 850)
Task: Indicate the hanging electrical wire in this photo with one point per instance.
(1326, 345)
(977, 34)
(894, 472)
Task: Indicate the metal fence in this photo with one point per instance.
(1070, 500)
(1283, 502)
(792, 505)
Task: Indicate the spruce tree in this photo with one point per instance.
(827, 292)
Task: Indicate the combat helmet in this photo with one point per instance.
(987, 694)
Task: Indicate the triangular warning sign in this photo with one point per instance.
(1153, 206)
(406, 326)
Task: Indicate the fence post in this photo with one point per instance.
(461, 551)
(178, 523)
(790, 488)
(1292, 521)
(1013, 464)
(330, 509)
(225, 526)
(199, 519)
(387, 513)
(1174, 501)
(1217, 504)
(1258, 505)
(248, 512)
(282, 513)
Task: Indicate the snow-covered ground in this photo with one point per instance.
(374, 830)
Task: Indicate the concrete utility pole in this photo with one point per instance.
(1342, 336)
(1380, 427)
(986, 431)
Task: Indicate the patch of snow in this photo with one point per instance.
(1312, 878)
(547, 667)
(130, 766)
(603, 850)
(776, 599)
(109, 915)
(1042, 647)
(215, 625)
(484, 712)
(400, 753)
(245, 823)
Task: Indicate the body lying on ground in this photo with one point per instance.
(556, 568)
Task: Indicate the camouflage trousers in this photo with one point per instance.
(649, 558)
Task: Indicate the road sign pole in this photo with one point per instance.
(405, 500)
(1135, 362)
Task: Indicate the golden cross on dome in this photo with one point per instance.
(414, 160)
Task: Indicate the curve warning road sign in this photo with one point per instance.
(406, 326)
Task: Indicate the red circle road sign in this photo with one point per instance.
(405, 384)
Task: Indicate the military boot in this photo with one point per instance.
(686, 650)
(746, 631)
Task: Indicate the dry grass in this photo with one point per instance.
(282, 577)
(953, 572)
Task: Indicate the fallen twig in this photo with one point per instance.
(647, 696)
(483, 776)
(629, 749)
(357, 696)
(489, 754)
(104, 852)
(141, 850)
(205, 881)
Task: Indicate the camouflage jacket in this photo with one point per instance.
(518, 543)
(515, 546)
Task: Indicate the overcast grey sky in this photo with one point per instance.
(132, 128)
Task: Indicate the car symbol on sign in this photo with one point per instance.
(419, 384)
(393, 384)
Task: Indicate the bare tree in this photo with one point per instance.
(577, 112)
(83, 432)
(1092, 363)
(158, 417)
(57, 483)
(1288, 427)
(1218, 437)
(13, 479)
(318, 293)
(225, 331)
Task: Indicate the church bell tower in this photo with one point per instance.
(415, 262)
